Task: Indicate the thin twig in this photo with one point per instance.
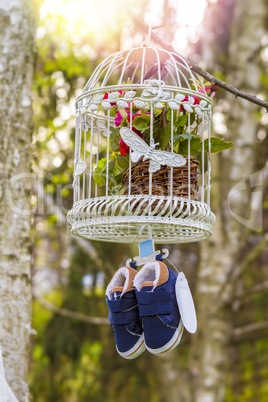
(246, 329)
(233, 275)
(72, 314)
(249, 259)
(194, 67)
(251, 292)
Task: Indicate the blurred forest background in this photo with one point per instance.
(73, 359)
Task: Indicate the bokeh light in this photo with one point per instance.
(96, 20)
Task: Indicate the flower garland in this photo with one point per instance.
(141, 118)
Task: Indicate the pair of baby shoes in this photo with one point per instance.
(143, 309)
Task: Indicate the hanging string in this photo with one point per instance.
(170, 263)
(149, 34)
(147, 41)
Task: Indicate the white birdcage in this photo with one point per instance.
(133, 99)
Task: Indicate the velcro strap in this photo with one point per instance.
(120, 305)
(124, 317)
(154, 303)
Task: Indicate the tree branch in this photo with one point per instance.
(72, 314)
(194, 67)
(251, 291)
(233, 275)
(246, 329)
(250, 258)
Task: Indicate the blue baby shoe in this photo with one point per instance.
(124, 314)
(155, 291)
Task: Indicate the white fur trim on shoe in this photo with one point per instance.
(120, 278)
(149, 272)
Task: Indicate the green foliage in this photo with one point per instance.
(186, 135)
(116, 167)
(122, 161)
(141, 122)
(217, 145)
(114, 163)
(181, 120)
(114, 139)
(165, 136)
(195, 146)
(99, 175)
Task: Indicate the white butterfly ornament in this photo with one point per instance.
(157, 158)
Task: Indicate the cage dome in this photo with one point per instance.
(142, 150)
(140, 64)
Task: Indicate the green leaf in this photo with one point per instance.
(141, 122)
(182, 120)
(217, 145)
(111, 164)
(165, 136)
(117, 190)
(102, 163)
(118, 177)
(192, 118)
(186, 135)
(97, 176)
(114, 139)
(195, 146)
(168, 114)
(112, 112)
(122, 161)
(124, 122)
(176, 139)
(146, 135)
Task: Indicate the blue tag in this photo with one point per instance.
(146, 248)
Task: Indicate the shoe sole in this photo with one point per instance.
(174, 341)
(135, 351)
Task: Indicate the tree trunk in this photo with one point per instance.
(17, 50)
(223, 254)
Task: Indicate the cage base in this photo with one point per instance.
(118, 219)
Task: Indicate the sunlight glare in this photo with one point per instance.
(98, 19)
(190, 14)
(81, 17)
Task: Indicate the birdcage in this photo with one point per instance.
(143, 150)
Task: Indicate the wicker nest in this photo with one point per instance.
(161, 179)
